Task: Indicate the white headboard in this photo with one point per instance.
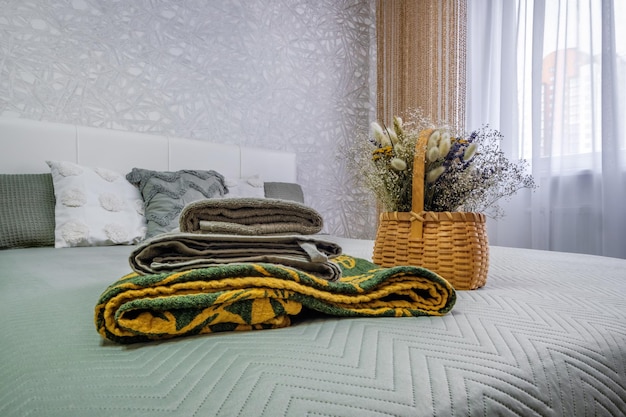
(25, 145)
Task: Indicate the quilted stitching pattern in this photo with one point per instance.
(545, 337)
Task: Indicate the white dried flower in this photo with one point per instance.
(434, 174)
(398, 164)
(444, 144)
(433, 139)
(432, 154)
(397, 126)
(392, 136)
(470, 152)
(377, 133)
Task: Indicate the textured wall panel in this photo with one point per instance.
(290, 74)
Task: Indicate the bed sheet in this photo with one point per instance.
(546, 336)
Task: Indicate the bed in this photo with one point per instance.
(546, 336)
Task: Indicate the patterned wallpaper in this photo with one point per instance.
(296, 75)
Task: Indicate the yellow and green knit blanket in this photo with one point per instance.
(139, 308)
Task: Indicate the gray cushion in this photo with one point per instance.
(26, 210)
(284, 191)
(166, 193)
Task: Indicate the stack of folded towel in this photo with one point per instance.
(243, 264)
(215, 232)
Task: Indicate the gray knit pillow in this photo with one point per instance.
(26, 210)
(284, 191)
(166, 193)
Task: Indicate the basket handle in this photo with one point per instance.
(417, 185)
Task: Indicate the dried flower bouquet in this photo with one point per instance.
(463, 172)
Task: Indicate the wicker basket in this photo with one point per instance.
(452, 244)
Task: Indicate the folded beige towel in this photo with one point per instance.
(171, 252)
(250, 216)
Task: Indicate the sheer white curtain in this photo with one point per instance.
(550, 74)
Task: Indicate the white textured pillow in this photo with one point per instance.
(249, 187)
(95, 207)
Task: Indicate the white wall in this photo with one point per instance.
(282, 74)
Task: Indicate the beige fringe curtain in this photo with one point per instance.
(421, 59)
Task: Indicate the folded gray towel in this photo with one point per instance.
(170, 252)
(250, 216)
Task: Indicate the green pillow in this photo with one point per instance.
(26, 210)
